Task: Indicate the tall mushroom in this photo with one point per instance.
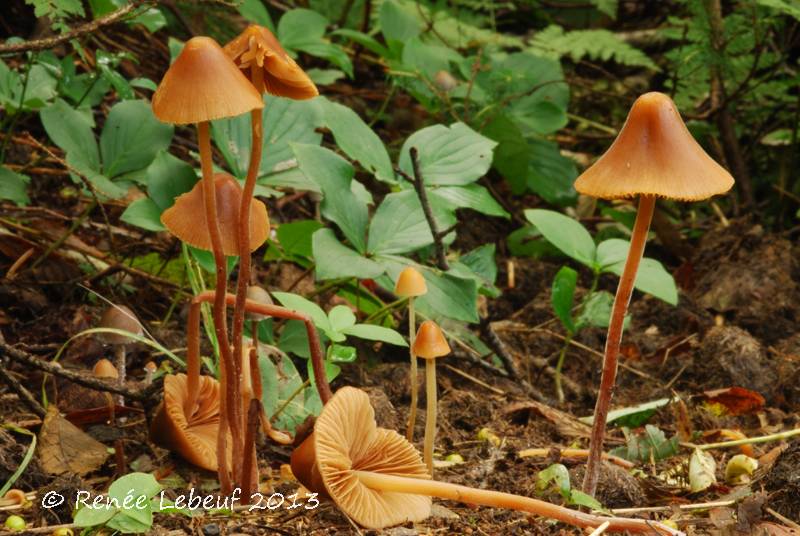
(201, 85)
(257, 52)
(410, 284)
(430, 344)
(120, 318)
(377, 478)
(654, 155)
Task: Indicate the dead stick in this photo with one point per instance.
(419, 186)
(23, 394)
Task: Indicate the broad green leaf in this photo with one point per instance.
(376, 333)
(399, 225)
(550, 174)
(481, 261)
(568, 235)
(563, 296)
(334, 260)
(299, 27)
(299, 303)
(72, 131)
(99, 181)
(324, 77)
(295, 237)
(333, 174)
(294, 339)
(132, 137)
(512, 154)
(398, 23)
(338, 353)
(472, 196)
(556, 474)
(428, 59)
(651, 277)
(168, 177)
(365, 40)
(579, 498)
(357, 140)
(279, 381)
(341, 318)
(144, 213)
(254, 11)
(13, 186)
(448, 156)
(92, 517)
(595, 310)
(132, 521)
(651, 445)
(312, 401)
(135, 484)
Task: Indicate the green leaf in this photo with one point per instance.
(635, 416)
(299, 27)
(448, 156)
(550, 174)
(324, 77)
(299, 303)
(481, 261)
(652, 445)
(168, 177)
(596, 44)
(365, 40)
(279, 381)
(786, 7)
(313, 403)
(334, 259)
(295, 237)
(397, 22)
(333, 174)
(132, 137)
(568, 235)
(144, 213)
(92, 517)
(579, 498)
(651, 277)
(595, 311)
(132, 521)
(357, 140)
(473, 196)
(556, 474)
(375, 333)
(13, 186)
(72, 131)
(399, 225)
(254, 11)
(563, 296)
(512, 154)
(135, 484)
(341, 318)
(338, 353)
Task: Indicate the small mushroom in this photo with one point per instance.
(193, 436)
(105, 369)
(654, 155)
(120, 318)
(14, 497)
(150, 369)
(182, 218)
(377, 478)
(257, 294)
(410, 284)
(430, 344)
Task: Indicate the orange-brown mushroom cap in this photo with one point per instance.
(430, 342)
(282, 76)
(410, 283)
(346, 439)
(186, 219)
(105, 369)
(654, 154)
(193, 437)
(122, 318)
(203, 84)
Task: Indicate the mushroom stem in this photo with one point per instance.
(644, 215)
(430, 413)
(119, 363)
(413, 374)
(497, 499)
(249, 461)
(220, 320)
(244, 227)
(223, 473)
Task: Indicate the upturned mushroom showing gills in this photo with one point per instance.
(201, 85)
(410, 284)
(191, 434)
(377, 478)
(429, 345)
(654, 155)
(262, 58)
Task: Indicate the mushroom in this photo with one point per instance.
(181, 219)
(377, 478)
(257, 52)
(654, 155)
(410, 284)
(192, 435)
(430, 344)
(257, 294)
(105, 369)
(201, 85)
(14, 497)
(150, 369)
(120, 318)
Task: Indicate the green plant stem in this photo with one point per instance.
(413, 374)
(378, 315)
(430, 413)
(559, 366)
(644, 215)
(288, 401)
(751, 440)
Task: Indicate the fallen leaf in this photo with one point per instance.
(702, 469)
(64, 448)
(739, 470)
(732, 401)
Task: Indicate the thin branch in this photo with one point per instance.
(24, 395)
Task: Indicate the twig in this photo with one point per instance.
(24, 395)
(573, 453)
(682, 507)
(601, 529)
(751, 440)
(419, 186)
(499, 347)
(783, 519)
(83, 29)
(140, 395)
(475, 380)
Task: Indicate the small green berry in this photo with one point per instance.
(15, 523)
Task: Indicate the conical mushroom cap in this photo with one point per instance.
(346, 439)
(203, 84)
(119, 317)
(654, 154)
(186, 219)
(256, 45)
(194, 438)
(105, 369)
(430, 342)
(410, 283)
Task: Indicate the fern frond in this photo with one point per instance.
(600, 45)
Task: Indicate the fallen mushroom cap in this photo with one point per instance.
(258, 295)
(203, 84)
(186, 219)
(430, 342)
(346, 439)
(105, 369)
(410, 283)
(194, 437)
(122, 318)
(654, 154)
(282, 76)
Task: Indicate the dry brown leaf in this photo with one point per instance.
(566, 424)
(732, 401)
(65, 448)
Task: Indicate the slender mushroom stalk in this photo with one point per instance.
(378, 479)
(260, 55)
(430, 344)
(410, 284)
(121, 318)
(201, 85)
(653, 156)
